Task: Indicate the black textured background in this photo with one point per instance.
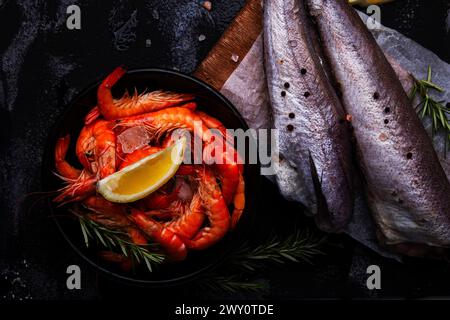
(44, 65)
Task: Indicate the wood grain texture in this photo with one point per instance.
(236, 41)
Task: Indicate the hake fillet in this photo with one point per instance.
(314, 140)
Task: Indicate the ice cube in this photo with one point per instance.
(133, 139)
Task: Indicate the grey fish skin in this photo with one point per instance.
(407, 190)
(313, 136)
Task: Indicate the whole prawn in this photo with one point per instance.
(215, 209)
(126, 106)
(228, 173)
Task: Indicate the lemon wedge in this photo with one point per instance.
(143, 177)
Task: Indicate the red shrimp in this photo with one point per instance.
(216, 210)
(126, 106)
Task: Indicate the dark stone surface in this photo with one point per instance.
(44, 65)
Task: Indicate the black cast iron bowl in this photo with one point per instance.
(71, 122)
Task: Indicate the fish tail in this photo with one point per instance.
(323, 214)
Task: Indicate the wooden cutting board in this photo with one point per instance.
(233, 46)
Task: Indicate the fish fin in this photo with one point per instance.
(323, 214)
(316, 180)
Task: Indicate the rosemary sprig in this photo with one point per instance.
(297, 247)
(428, 107)
(115, 239)
(232, 284)
(301, 246)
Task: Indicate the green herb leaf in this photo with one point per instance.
(301, 246)
(85, 236)
(115, 239)
(428, 107)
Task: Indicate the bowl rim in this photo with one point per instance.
(96, 266)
